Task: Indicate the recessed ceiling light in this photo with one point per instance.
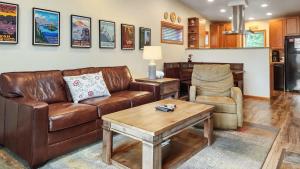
(230, 17)
(269, 14)
(264, 5)
(251, 18)
(210, 0)
(222, 10)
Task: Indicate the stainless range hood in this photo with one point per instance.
(238, 16)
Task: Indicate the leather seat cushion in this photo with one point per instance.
(108, 104)
(66, 115)
(136, 97)
(222, 104)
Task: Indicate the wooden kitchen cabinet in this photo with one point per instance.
(219, 40)
(216, 35)
(277, 33)
(292, 25)
(232, 41)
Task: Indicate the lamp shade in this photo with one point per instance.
(152, 53)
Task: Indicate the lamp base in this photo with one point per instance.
(152, 72)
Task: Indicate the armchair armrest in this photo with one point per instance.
(26, 129)
(237, 96)
(143, 86)
(192, 93)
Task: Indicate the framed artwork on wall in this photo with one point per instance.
(171, 33)
(46, 27)
(145, 37)
(81, 32)
(127, 37)
(107, 35)
(9, 17)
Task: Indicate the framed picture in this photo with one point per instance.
(81, 32)
(127, 37)
(9, 17)
(145, 37)
(46, 27)
(107, 34)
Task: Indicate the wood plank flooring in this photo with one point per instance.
(283, 112)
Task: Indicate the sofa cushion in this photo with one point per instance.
(116, 78)
(65, 115)
(86, 86)
(81, 71)
(45, 86)
(108, 104)
(136, 97)
(222, 104)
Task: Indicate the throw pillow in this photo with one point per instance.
(86, 86)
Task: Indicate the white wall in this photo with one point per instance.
(256, 66)
(146, 13)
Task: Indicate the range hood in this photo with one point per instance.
(238, 16)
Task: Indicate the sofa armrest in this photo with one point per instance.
(26, 129)
(237, 96)
(192, 93)
(143, 86)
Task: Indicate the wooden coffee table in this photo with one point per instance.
(151, 128)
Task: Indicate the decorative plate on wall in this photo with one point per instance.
(166, 15)
(179, 19)
(173, 17)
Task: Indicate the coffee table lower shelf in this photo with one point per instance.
(182, 147)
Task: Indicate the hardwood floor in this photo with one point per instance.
(283, 112)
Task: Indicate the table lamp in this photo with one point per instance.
(152, 53)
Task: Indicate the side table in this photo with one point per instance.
(169, 87)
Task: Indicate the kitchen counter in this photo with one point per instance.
(225, 48)
(277, 63)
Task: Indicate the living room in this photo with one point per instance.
(149, 84)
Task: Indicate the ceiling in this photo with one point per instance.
(211, 10)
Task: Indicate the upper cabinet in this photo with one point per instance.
(292, 25)
(277, 33)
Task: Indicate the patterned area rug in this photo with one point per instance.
(246, 148)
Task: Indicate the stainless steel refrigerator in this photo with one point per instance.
(292, 63)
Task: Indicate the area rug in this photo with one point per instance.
(246, 148)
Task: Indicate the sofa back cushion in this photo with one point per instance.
(117, 78)
(212, 79)
(80, 71)
(46, 86)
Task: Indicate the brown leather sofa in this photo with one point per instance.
(38, 120)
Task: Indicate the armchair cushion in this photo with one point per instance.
(222, 104)
(212, 80)
(66, 115)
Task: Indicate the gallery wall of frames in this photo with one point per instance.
(46, 30)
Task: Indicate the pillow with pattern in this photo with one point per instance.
(86, 86)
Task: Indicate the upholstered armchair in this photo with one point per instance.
(213, 84)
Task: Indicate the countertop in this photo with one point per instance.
(225, 48)
(277, 63)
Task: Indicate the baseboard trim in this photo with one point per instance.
(257, 97)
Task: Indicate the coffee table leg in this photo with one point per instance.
(151, 156)
(208, 129)
(107, 143)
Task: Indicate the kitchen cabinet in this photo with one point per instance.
(277, 33)
(232, 41)
(216, 35)
(292, 25)
(220, 40)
